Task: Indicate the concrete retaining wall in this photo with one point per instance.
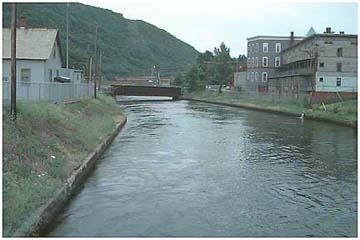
(253, 107)
(36, 224)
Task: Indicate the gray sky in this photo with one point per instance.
(204, 24)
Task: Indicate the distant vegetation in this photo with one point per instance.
(131, 47)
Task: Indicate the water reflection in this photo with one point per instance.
(191, 169)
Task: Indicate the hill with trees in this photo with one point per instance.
(130, 47)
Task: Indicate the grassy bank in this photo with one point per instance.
(41, 149)
(345, 111)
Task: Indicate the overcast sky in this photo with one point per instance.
(204, 24)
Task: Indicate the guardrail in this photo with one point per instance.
(34, 91)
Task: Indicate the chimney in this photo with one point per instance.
(328, 30)
(291, 37)
(22, 22)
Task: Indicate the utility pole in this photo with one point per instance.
(89, 69)
(88, 63)
(100, 75)
(95, 60)
(67, 38)
(13, 62)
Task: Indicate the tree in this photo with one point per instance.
(224, 65)
(194, 79)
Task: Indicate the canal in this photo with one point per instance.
(193, 169)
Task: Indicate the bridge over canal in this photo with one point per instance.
(136, 90)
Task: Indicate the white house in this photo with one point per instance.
(38, 61)
(38, 55)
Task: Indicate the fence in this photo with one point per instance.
(48, 91)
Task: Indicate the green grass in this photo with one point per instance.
(42, 130)
(345, 111)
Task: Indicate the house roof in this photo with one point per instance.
(262, 37)
(318, 35)
(31, 43)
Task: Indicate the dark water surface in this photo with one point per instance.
(192, 169)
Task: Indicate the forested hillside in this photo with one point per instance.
(131, 47)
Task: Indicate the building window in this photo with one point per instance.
(264, 76)
(278, 47)
(256, 76)
(50, 75)
(252, 76)
(338, 82)
(265, 47)
(248, 76)
(321, 64)
(277, 61)
(257, 47)
(256, 61)
(25, 75)
(57, 72)
(265, 61)
(321, 79)
(338, 67)
(339, 52)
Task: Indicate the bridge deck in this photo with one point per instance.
(133, 90)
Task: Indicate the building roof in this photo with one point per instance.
(333, 35)
(261, 37)
(310, 32)
(31, 43)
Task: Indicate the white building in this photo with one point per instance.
(38, 56)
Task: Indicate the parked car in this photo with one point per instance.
(62, 79)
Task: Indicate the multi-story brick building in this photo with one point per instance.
(321, 65)
(264, 56)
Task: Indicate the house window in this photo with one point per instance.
(278, 47)
(256, 76)
(265, 62)
(339, 52)
(264, 76)
(338, 67)
(25, 75)
(50, 75)
(257, 47)
(321, 64)
(265, 47)
(256, 61)
(321, 79)
(338, 82)
(277, 61)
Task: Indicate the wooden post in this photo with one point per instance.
(100, 75)
(95, 60)
(13, 62)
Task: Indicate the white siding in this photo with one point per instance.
(348, 84)
(51, 63)
(36, 66)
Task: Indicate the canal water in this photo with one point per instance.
(193, 169)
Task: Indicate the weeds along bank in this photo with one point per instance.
(342, 112)
(44, 146)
